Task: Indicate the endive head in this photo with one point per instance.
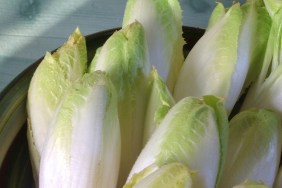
(193, 133)
(254, 148)
(162, 22)
(208, 70)
(79, 150)
(123, 56)
(53, 77)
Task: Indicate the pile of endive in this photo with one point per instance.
(140, 114)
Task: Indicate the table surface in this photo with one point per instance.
(29, 28)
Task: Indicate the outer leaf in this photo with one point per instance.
(48, 86)
(261, 24)
(83, 147)
(223, 129)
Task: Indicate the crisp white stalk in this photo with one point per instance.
(83, 145)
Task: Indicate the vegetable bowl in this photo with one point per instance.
(136, 106)
(15, 165)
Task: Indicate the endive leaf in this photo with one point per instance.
(159, 103)
(213, 66)
(218, 13)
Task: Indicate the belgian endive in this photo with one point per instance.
(194, 132)
(162, 22)
(254, 148)
(83, 145)
(218, 64)
(49, 84)
(265, 93)
(124, 59)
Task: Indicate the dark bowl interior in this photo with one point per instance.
(15, 167)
